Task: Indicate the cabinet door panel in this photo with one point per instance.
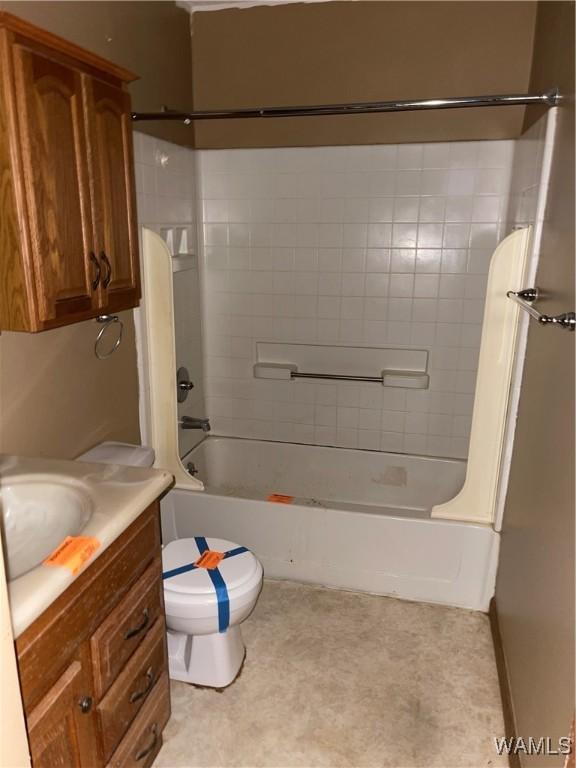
(59, 733)
(112, 182)
(49, 100)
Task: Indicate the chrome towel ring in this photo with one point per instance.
(108, 322)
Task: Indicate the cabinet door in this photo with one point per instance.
(61, 728)
(108, 119)
(52, 142)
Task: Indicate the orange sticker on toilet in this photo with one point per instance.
(209, 559)
(279, 498)
(73, 552)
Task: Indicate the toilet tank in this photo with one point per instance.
(125, 454)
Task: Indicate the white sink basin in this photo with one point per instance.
(37, 513)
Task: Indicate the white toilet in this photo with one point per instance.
(210, 587)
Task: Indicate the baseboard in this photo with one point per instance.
(504, 681)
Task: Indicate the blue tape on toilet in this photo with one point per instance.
(216, 578)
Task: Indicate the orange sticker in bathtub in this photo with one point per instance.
(279, 498)
(73, 552)
(209, 559)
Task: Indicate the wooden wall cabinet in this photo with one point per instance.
(93, 667)
(68, 234)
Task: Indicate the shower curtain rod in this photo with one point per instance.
(549, 99)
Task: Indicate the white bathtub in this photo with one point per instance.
(357, 520)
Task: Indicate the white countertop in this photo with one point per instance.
(118, 495)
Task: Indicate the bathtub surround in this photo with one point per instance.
(166, 200)
(338, 679)
(529, 184)
(366, 246)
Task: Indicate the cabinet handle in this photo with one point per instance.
(140, 627)
(85, 704)
(137, 695)
(154, 730)
(96, 263)
(108, 277)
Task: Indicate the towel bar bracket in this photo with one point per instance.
(526, 298)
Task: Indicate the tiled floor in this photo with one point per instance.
(341, 679)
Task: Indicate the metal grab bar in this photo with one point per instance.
(525, 299)
(336, 376)
(550, 99)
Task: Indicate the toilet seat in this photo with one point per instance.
(191, 593)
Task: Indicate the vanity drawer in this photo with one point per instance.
(123, 630)
(144, 738)
(129, 692)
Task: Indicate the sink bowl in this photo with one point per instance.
(37, 513)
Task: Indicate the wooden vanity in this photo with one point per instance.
(93, 667)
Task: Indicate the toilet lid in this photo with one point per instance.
(180, 574)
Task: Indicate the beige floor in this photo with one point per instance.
(340, 679)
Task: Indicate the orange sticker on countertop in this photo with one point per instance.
(209, 559)
(73, 552)
(279, 498)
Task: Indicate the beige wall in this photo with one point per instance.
(57, 399)
(535, 586)
(152, 39)
(361, 51)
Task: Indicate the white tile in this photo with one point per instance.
(330, 259)
(379, 235)
(461, 182)
(428, 260)
(329, 306)
(353, 284)
(378, 260)
(407, 183)
(432, 209)
(377, 284)
(426, 286)
(385, 245)
(393, 421)
(325, 415)
(351, 308)
(403, 260)
(399, 310)
(347, 418)
(353, 259)
(382, 209)
(406, 209)
(401, 286)
(376, 308)
(404, 235)
(330, 283)
(430, 235)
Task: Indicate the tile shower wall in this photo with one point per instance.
(166, 199)
(384, 246)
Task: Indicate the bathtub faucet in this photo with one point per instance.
(190, 422)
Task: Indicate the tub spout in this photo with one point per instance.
(190, 422)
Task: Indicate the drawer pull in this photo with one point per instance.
(140, 627)
(137, 695)
(154, 730)
(85, 704)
